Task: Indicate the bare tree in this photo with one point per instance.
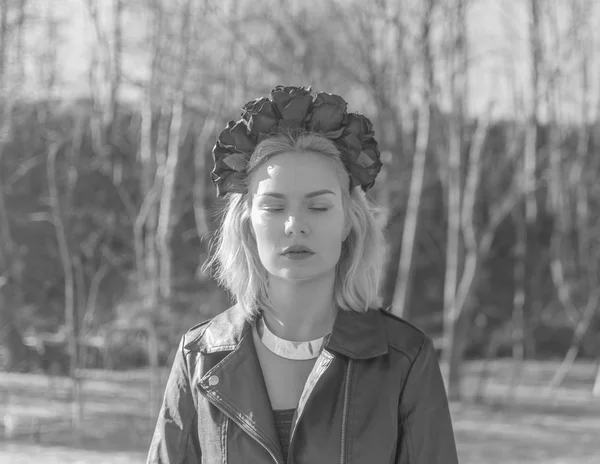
(575, 249)
(169, 164)
(388, 56)
(67, 264)
(115, 66)
(470, 231)
(401, 300)
(10, 259)
(105, 73)
(146, 220)
(453, 246)
(525, 293)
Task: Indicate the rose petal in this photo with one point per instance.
(359, 125)
(261, 116)
(236, 161)
(229, 182)
(236, 137)
(225, 138)
(364, 160)
(296, 109)
(292, 103)
(327, 113)
(336, 134)
(287, 125)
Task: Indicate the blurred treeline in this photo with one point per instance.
(489, 190)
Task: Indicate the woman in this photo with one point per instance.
(304, 368)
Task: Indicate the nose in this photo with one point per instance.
(295, 225)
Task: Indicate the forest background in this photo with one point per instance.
(485, 111)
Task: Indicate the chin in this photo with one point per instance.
(297, 276)
(300, 275)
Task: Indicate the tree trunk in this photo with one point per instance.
(531, 249)
(204, 224)
(112, 109)
(401, 303)
(453, 246)
(20, 42)
(165, 224)
(145, 225)
(176, 133)
(520, 291)
(11, 341)
(92, 298)
(580, 331)
(146, 182)
(582, 281)
(3, 39)
(65, 256)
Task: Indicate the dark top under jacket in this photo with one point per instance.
(283, 424)
(374, 396)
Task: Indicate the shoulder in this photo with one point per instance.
(404, 336)
(219, 332)
(196, 332)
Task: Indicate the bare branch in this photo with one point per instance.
(473, 178)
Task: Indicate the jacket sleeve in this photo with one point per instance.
(175, 439)
(426, 433)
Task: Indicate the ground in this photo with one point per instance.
(528, 427)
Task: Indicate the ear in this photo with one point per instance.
(251, 229)
(347, 229)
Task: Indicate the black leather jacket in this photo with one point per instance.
(375, 396)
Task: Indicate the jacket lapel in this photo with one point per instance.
(236, 384)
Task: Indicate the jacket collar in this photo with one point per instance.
(223, 332)
(358, 335)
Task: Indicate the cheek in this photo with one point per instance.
(334, 228)
(264, 229)
(341, 223)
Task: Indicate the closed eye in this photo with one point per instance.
(319, 208)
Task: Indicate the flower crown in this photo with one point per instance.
(293, 109)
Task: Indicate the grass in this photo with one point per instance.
(117, 423)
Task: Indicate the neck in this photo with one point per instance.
(301, 310)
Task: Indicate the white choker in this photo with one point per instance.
(286, 348)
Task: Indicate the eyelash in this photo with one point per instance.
(276, 210)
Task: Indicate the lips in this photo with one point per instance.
(297, 250)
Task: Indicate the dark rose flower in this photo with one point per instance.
(359, 125)
(292, 103)
(219, 153)
(261, 116)
(361, 160)
(228, 173)
(351, 146)
(287, 125)
(328, 112)
(370, 156)
(336, 134)
(235, 136)
(229, 182)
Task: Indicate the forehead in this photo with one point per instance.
(298, 172)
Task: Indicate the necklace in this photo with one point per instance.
(287, 348)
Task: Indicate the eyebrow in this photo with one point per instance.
(316, 193)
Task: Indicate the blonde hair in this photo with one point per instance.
(237, 266)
